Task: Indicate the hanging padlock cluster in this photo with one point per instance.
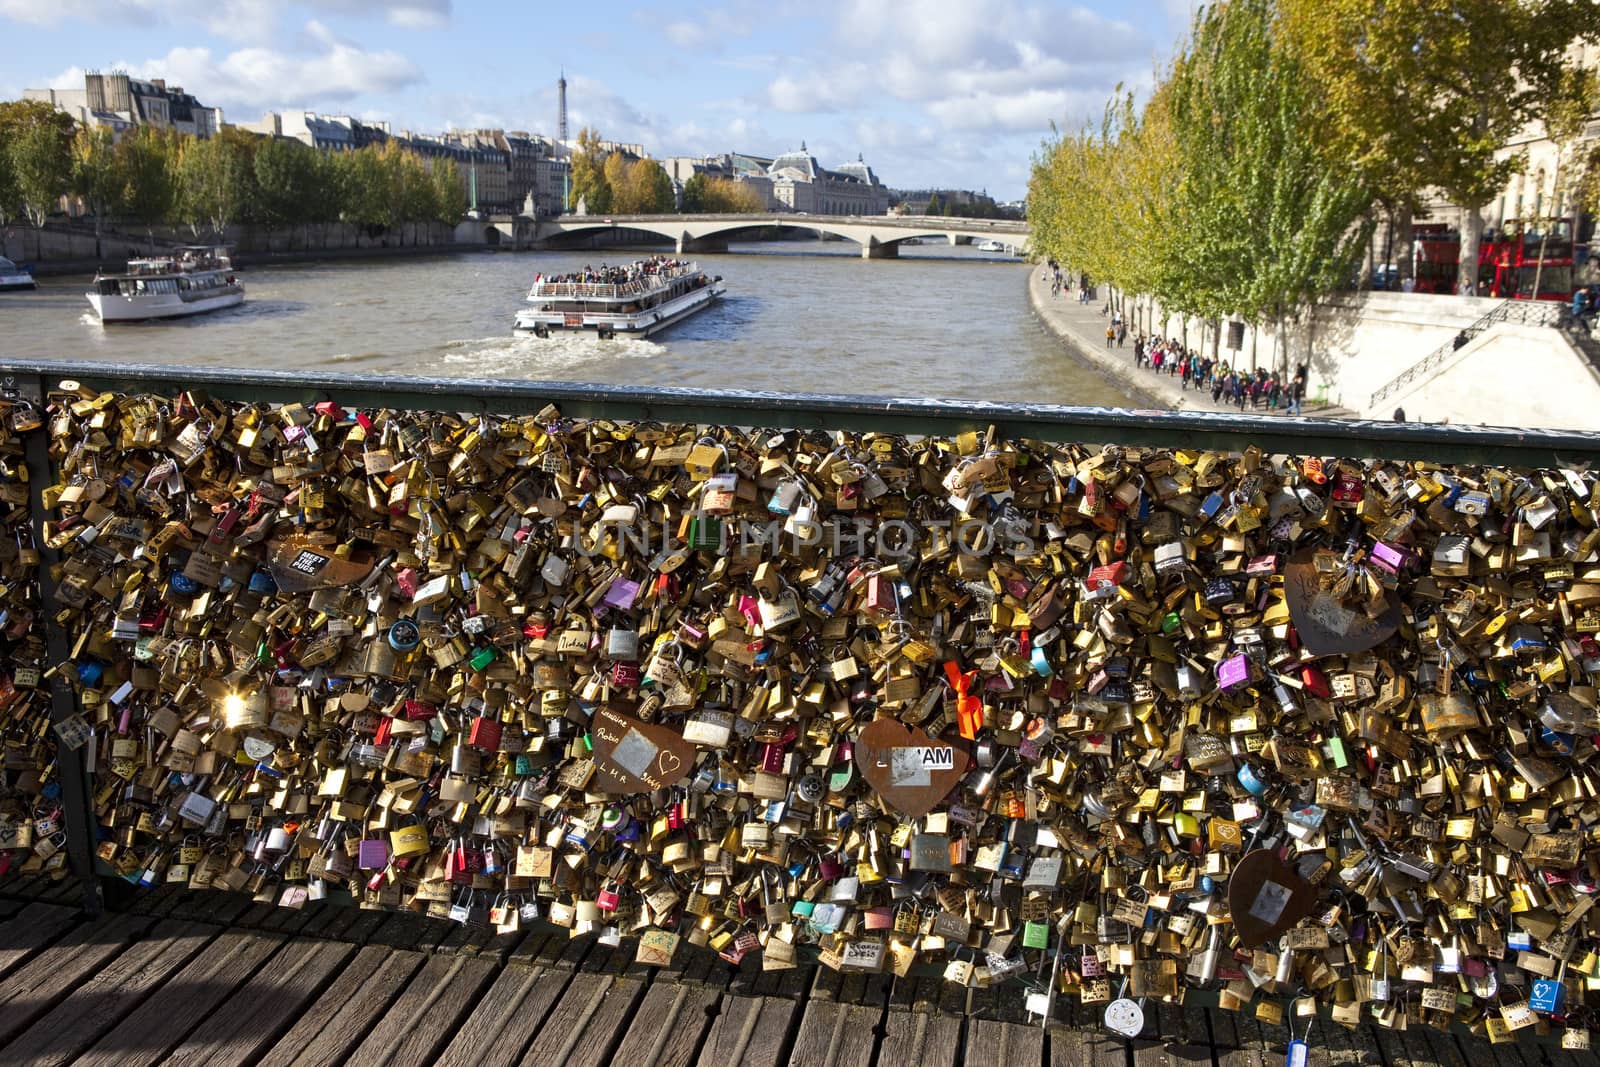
(31, 835)
(1116, 722)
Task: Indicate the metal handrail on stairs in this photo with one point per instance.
(1518, 312)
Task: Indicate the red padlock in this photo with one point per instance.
(772, 757)
(625, 675)
(416, 710)
(608, 899)
(485, 734)
(385, 731)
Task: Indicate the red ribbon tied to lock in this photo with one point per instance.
(969, 709)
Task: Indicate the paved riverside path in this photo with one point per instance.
(192, 978)
(1082, 328)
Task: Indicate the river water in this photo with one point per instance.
(799, 317)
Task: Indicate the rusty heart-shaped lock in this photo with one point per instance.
(1326, 626)
(633, 756)
(910, 770)
(1267, 896)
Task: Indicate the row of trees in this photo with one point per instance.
(608, 182)
(154, 177)
(1251, 177)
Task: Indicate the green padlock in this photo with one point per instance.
(482, 657)
(1035, 935)
(705, 531)
(1336, 754)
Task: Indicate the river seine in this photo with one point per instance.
(799, 317)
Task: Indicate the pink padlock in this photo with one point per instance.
(1233, 671)
(1091, 965)
(608, 899)
(830, 868)
(1387, 557)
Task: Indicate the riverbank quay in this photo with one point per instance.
(1082, 327)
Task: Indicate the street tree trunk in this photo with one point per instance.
(1404, 240)
(1471, 237)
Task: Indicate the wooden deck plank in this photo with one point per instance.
(507, 1017)
(920, 1039)
(592, 1043)
(167, 1016)
(103, 1001)
(342, 1015)
(424, 1019)
(669, 1025)
(1001, 1044)
(248, 1023)
(750, 1032)
(836, 1035)
(570, 1015)
(52, 975)
(30, 930)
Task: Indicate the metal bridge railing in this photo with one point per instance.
(1508, 446)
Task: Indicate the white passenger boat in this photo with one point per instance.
(14, 277)
(990, 246)
(636, 300)
(190, 281)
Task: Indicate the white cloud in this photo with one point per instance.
(1006, 64)
(238, 20)
(710, 30)
(326, 69)
(410, 14)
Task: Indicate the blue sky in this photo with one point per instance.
(941, 92)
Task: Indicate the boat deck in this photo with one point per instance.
(195, 978)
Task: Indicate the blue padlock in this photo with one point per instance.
(1041, 665)
(1252, 784)
(90, 673)
(182, 585)
(1546, 996)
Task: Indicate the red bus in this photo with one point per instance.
(1507, 263)
(1523, 252)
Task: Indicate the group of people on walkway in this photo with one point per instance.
(1229, 385)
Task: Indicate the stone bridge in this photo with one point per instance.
(878, 235)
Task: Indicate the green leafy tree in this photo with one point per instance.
(36, 141)
(694, 195)
(935, 206)
(1576, 96)
(216, 180)
(1423, 93)
(623, 199)
(285, 183)
(653, 179)
(589, 184)
(145, 164)
(94, 172)
(449, 198)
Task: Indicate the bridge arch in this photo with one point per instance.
(878, 237)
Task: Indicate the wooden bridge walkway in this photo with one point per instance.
(194, 978)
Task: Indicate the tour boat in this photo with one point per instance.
(14, 277)
(190, 281)
(990, 246)
(636, 300)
